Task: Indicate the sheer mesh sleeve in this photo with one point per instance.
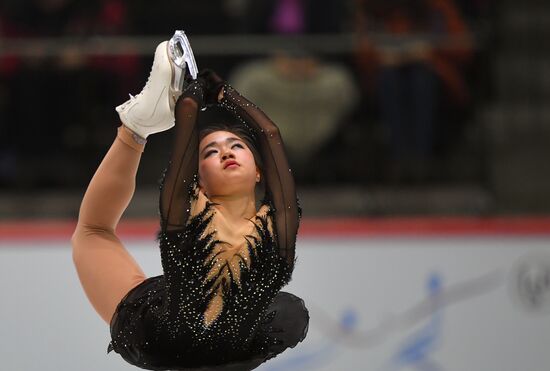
(176, 190)
(280, 185)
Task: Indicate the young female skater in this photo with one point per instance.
(217, 306)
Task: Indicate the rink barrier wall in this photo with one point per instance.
(327, 227)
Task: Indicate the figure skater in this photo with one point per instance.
(217, 306)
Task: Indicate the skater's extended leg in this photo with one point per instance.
(105, 268)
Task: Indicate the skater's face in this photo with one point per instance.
(226, 165)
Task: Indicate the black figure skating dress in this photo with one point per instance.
(218, 305)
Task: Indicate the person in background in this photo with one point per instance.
(70, 136)
(308, 98)
(286, 17)
(410, 76)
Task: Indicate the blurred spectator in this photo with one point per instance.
(48, 110)
(295, 16)
(67, 18)
(411, 75)
(307, 98)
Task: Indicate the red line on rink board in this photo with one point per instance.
(39, 230)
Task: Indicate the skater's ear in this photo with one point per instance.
(201, 188)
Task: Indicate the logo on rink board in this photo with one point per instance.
(530, 283)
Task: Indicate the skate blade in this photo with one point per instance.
(182, 54)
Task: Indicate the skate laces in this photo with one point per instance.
(134, 97)
(158, 65)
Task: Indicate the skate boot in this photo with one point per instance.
(152, 110)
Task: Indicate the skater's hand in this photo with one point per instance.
(214, 84)
(204, 89)
(195, 90)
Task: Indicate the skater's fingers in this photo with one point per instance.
(212, 78)
(214, 84)
(195, 90)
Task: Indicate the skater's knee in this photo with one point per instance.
(85, 238)
(77, 247)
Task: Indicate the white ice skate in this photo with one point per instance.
(152, 110)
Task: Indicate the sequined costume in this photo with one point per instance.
(217, 305)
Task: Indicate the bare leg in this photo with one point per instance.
(105, 268)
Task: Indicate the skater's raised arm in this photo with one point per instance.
(280, 185)
(176, 190)
(175, 193)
